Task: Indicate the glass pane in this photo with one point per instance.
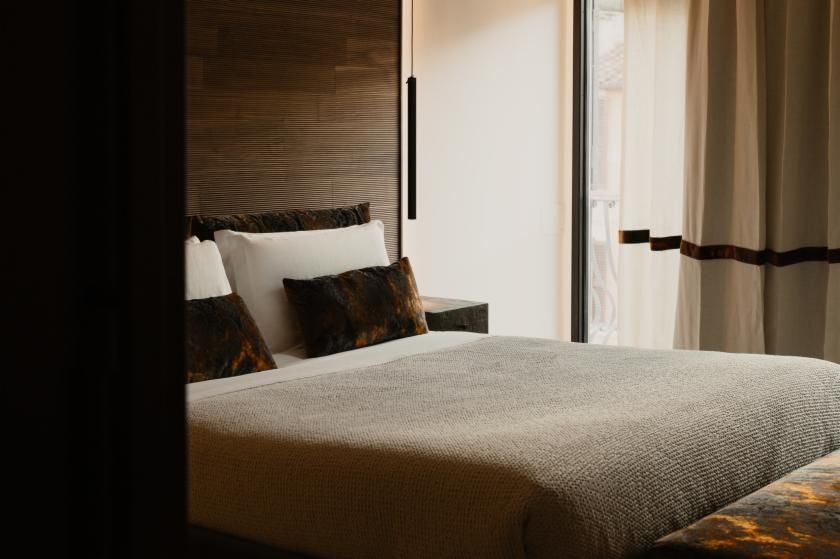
(606, 106)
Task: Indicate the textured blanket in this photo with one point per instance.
(505, 448)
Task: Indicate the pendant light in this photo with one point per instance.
(412, 130)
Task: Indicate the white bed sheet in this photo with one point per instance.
(292, 365)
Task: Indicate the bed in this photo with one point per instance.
(454, 444)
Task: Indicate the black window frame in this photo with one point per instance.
(581, 132)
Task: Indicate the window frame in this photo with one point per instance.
(581, 136)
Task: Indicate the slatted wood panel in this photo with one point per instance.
(294, 104)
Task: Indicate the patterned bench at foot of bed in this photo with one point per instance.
(797, 516)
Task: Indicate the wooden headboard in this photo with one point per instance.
(294, 104)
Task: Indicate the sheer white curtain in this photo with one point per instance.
(655, 41)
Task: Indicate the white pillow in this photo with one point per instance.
(256, 264)
(204, 270)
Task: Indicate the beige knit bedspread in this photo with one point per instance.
(505, 447)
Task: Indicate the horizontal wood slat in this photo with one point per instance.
(294, 104)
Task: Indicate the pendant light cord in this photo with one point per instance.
(412, 37)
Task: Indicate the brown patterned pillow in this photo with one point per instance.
(203, 226)
(223, 340)
(357, 308)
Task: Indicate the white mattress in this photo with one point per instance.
(293, 365)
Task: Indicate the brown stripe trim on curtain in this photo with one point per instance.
(665, 243)
(760, 257)
(633, 236)
(636, 236)
(732, 252)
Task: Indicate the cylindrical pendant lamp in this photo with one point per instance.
(412, 131)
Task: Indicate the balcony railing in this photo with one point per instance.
(603, 267)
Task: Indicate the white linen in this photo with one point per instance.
(257, 263)
(205, 274)
(290, 356)
(292, 367)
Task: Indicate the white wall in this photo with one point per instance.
(494, 158)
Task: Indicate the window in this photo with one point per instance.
(606, 107)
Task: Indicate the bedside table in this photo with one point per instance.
(454, 314)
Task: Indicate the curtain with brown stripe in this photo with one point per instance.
(650, 212)
(762, 178)
(759, 238)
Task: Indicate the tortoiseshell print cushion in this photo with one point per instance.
(357, 308)
(223, 340)
(203, 226)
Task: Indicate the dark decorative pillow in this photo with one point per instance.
(203, 226)
(223, 340)
(357, 308)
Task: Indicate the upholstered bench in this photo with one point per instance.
(797, 516)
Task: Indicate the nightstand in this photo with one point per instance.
(455, 314)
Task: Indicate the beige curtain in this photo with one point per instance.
(760, 249)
